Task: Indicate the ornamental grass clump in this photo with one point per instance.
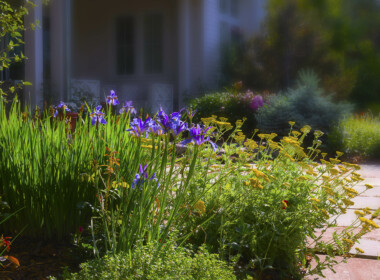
(43, 163)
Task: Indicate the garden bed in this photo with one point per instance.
(118, 188)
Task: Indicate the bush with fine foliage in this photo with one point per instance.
(171, 263)
(232, 105)
(306, 104)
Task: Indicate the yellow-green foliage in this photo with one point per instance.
(143, 263)
(276, 202)
(358, 134)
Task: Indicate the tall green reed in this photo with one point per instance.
(157, 200)
(42, 166)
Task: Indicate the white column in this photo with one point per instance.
(60, 30)
(211, 42)
(34, 53)
(183, 48)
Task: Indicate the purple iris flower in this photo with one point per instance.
(128, 107)
(153, 127)
(178, 127)
(257, 102)
(137, 127)
(198, 137)
(175, 117)
(190, 113)
(112, 99)
(140, 128)
(142, 176)
(98, 116)
(171, 123)
(60, 106)
(164, 120)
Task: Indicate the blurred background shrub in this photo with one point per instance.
(357, 136)
(305, 104)
(231, 104)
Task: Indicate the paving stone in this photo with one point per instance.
(348, 218)
(375, 192)
(370, 171)
(371, 181)
(354, 269)
(373, 235)
(370, 247)
(364, 201)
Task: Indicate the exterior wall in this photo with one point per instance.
(211, 43)
(192, 45)
(59, 48)
(94, 45)
(34, 63)
(184, 39)
(196, 47)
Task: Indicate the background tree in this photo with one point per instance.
(338, 39)
(11, 40)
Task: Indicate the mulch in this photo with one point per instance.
(39, 260)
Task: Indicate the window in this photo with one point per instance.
(234, 8)
(223, 6)
(229, 33)
(125, 34)
(139, 42)
(229, 7)
(224, 32)
(153, 43)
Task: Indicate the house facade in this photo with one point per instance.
(154, 52)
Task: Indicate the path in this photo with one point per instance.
(366, 266)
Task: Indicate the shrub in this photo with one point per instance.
(358, 135)
(270, 215)
(306, 104)
(144, 263)
(231, 105)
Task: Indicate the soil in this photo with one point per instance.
(39, 260)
